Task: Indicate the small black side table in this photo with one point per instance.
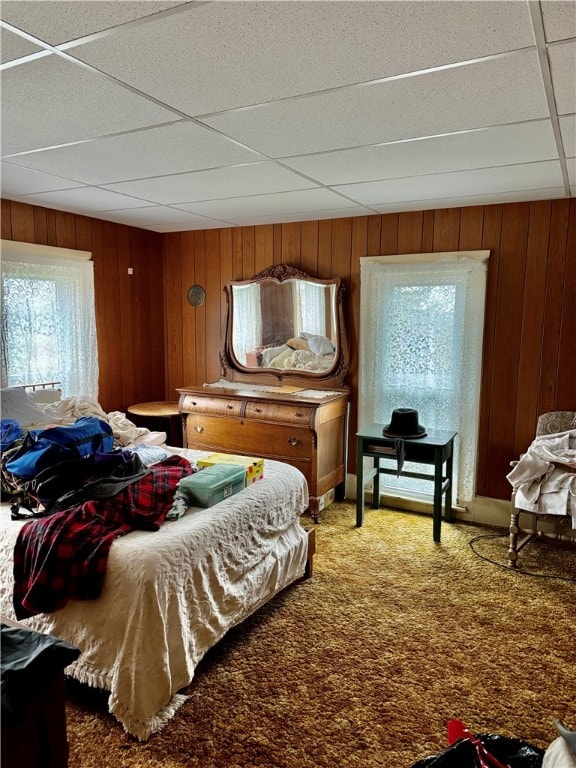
(437, 449)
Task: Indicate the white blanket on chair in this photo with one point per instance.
(544, 479)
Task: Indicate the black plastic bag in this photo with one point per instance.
(463, 754)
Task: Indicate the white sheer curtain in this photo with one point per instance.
(421, 347)
(48, 323)
(247, 327)
(310, 308)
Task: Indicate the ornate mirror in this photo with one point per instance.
(285, 327)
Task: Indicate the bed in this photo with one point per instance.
(170, 595)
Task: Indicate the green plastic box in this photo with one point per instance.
(213, 484)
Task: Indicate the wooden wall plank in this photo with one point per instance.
(389, 234)
(6, 220)
(187, 319)
(291, 246)
(532, 324)
(65, 229)
(554, 293)
(374, 230)
(125, 329)
(471, 223)
(358, 249)
(446, 229)
(491, 232)
(324, 248)
(248, 256)
(175, 311)
(263, 247)
(506, 344)
(566, 368)
(410, 232)
(309, 262)
(214, 331)
(41, 227)
(200, 341)
(22, 217)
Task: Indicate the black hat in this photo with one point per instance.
(404, 423)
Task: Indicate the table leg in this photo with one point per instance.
(359, 482)
(376, 486)
(437, 519)
(448, 502)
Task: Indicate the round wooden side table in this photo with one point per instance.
(161, 415)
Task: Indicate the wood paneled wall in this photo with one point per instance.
(129, 308)
(151, 340)
(529, 359)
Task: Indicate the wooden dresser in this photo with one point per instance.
(305, 429)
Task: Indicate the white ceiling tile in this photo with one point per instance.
(156, 216)
(553, 193)
(486, 181)
(51, 101)
(240, 180)
(13, 46)
(192, 226)
(571, 164)
(271, 204)
(502, 145)
(223, 55)
(84, 200)
(57, 21)
(559, 17)
(573, 190)
(491, 92)
(568, 131)
(181, 146)
(21, 181)
(563, 67)
(335, 213)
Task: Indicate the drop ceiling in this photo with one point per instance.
(175, 116)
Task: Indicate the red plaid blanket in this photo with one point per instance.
(63, 557)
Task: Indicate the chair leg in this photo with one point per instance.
(513, 548)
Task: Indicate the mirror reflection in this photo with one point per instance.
(288, 325)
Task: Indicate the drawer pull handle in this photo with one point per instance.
(199, 429)
(230, 407)
(194, 402)
(257, 410)
(293, 441)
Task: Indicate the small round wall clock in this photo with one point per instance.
(196, 295)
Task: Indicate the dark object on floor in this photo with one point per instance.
(512, 752)
(33, 712)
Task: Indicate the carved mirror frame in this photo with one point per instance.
(334, 377)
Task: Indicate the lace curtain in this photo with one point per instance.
(48, 323)
(310, 308)
(421, 347)
(247, 328)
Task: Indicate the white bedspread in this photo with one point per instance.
(170, 595)
(544, 478)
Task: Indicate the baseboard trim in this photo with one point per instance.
(481, 511)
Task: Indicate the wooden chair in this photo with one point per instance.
(551, 526)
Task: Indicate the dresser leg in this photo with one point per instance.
(313, 504)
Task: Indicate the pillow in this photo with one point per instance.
(296, 343)
(45, 396)
(320, 345)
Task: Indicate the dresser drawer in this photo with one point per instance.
(248, 437)
(281, 413)
(215, 405)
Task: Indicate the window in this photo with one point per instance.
(247, 328)
(421, 347)
(48, 318)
